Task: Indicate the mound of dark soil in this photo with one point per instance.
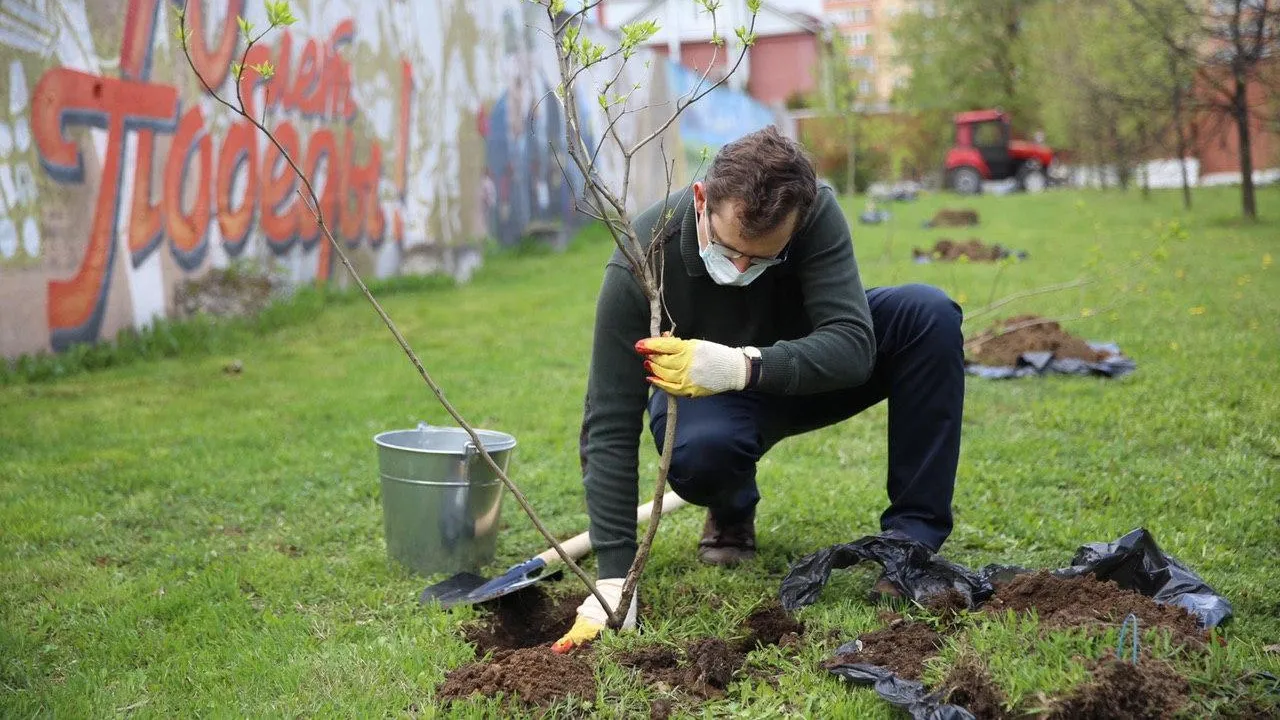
(523, 619)
(703, 668)
(902, 647)
(536, 675)
(1003, 343)
(1123, 691)
(969, 685)
(771, 625)
(947, 604)
(948, 250)
(1083, 601)
(948, 217)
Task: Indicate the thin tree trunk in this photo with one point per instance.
(1240, 108)
(1180, 130)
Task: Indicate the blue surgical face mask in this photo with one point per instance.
(724, 272)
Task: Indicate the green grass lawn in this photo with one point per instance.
(175, 540)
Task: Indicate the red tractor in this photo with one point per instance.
(984, 150)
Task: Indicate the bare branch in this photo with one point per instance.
(315, 207)
(1026, 294)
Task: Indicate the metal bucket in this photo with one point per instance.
(441, 502)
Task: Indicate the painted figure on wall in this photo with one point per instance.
(525, 146)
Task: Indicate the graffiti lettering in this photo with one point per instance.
(234, 179)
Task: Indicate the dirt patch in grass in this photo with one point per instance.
(1120, 691)
(536, 675)
(701, 669)
(523, 619)
(948, 250)
(771, 625)
(1083, 601)
(902, 647)
(1004, 342)
(949, 217)
(970, 685)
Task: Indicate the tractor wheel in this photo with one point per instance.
(1032, 178)
(966, 180)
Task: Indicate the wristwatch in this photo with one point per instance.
(757, 364)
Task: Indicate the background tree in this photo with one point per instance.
(1231, 47)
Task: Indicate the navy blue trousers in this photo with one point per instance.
(919, 370)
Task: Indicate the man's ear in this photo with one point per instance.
(699, 196)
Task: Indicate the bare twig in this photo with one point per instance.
(316, 210)
(1026, 294)
(646, 263)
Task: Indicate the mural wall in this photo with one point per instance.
(426, 127)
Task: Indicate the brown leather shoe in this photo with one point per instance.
(727, 544)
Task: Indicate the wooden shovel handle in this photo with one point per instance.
(580, 544)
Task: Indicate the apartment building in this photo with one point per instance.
(867, 28)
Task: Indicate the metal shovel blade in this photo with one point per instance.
(450, 591)
(469, 588)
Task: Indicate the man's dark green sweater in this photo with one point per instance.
(808, 315)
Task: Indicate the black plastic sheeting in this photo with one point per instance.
(1134, 562)
(1029, 364)
(910, 695)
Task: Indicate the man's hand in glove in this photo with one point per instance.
(592, 618)
(693, 368)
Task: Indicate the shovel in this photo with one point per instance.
(468, 588)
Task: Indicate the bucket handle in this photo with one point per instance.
(469, 455)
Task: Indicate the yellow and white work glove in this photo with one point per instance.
(693, 368)
(592, 617)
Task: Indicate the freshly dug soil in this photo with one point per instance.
(1122, 691)
(703, 668)
(948, 250)
(999, 347)
(948, 217)
(947, 604)
(537, 675)
(771, 625)
(1083, 601)
(524, 619)
(970, 686)
(902, 647)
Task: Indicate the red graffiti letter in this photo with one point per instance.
(234, 219)
(65, 97)
(321, 145)
(280, 211)
(145, 232)
(188, 231)
(213, 65)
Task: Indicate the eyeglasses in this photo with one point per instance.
(732, 254)
(755, 260)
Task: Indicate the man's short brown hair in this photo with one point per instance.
(767, 175)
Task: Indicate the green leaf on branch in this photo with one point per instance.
(246, 27)
(636, 34)
(237, 69)
(556, 7)
(279, 12)
(604, 101)
(746, 38)
(754, 6)
(717, 39)
(181, 35)
(265, 69)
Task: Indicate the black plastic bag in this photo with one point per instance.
(910, 695)
(911, 566)
(1135, 562)
(1114, 365)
